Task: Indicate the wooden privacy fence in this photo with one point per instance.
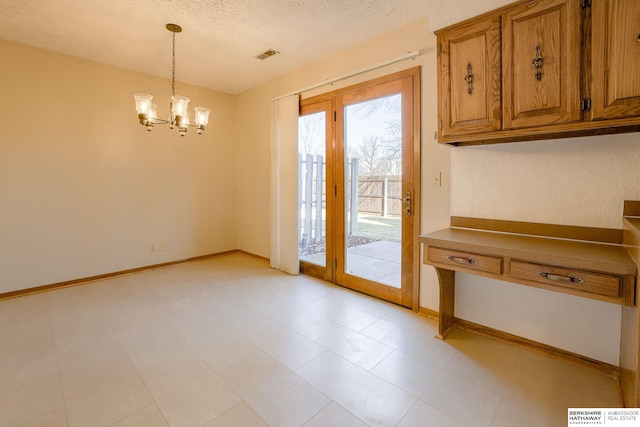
(312, 199)
(379, 195)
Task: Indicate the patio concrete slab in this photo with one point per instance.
(376, 261)
(384, 250)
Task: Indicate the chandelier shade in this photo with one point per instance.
(179, 117)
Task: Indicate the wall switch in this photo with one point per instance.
(162, 246)
(436, 179)
(153, 247)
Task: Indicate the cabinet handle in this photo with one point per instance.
(537, 62)
(469, 79)
(561, 279)
(462, 260)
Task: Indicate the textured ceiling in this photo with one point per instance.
(220, 38)
(443, 13)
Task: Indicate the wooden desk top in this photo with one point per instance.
(594, 256)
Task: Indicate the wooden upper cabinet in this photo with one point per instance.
(541, 44)
(469, 87)
(615, 57)
(540, 69)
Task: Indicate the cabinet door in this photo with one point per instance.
(615, 56)
(545, 33)
(469, 86)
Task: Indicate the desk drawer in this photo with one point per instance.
(466, 260)
(595, 283)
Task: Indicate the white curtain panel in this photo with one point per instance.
(284, 184)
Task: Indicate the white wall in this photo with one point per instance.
(581, 181)
(85, 189)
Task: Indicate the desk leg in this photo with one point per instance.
(447, 279)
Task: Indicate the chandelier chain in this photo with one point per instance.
(173, 67)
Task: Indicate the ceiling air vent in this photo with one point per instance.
(267, 53)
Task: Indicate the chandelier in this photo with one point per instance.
(180, 117)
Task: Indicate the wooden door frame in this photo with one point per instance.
(410, 294)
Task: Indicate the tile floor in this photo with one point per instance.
(231, 342)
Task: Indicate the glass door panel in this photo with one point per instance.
(312, 188)
(315, 176)
(373, 189)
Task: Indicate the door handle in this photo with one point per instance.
(407, 203)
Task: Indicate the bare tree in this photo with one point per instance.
(393, 146)
(311, 134)
(390, 103)
(371, 154)
(388, 148)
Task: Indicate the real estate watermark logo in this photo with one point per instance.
(604, 416)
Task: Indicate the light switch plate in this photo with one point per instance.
(436, 179)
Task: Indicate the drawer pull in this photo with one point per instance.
(462, 260)
(562, 279)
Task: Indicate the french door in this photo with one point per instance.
(359, 186)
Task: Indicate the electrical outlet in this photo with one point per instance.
(436, 179)
(153, 247)
(162, 247)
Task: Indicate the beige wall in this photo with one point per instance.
(85, 189)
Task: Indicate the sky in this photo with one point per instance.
(360, 123)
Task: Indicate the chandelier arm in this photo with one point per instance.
(157, 121)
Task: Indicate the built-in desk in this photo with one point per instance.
(601, 270)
